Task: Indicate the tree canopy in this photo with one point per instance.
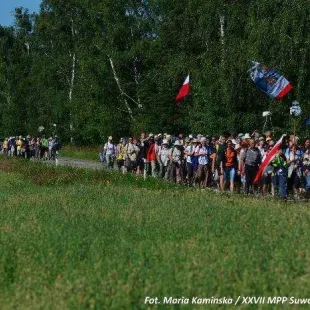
(96, 68)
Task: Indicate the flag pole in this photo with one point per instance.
(295, 131)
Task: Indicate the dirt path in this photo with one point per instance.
(68, 161)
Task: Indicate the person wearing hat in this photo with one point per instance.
(163, 159)
(176, 159)
(199, 136)
(194, 158)
(261, 146)
(109, 150)
(189, 153)
(130, 156)
(252, 159)
(246, 136)
(203, 154)
(119, 154)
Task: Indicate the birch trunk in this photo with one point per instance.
(72, 84)
(71, 92)
(137, 77)
(120, 89)
(136, 74)
(222, 32)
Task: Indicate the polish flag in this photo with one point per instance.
(268, 159)
(184, 91)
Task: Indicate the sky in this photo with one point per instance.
(7, 8)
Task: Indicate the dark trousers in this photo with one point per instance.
(250, 173)
(283, 185)
(202, 175)
(190, 173)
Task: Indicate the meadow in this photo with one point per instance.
(85, 153)
(73, 238)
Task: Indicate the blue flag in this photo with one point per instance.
(270, 81)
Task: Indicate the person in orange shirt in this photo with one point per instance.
(229, 164)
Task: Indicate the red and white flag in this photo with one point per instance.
(268, 159)
(184, 91)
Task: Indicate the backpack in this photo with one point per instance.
(56, 146)
(252, 157)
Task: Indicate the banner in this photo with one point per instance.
(270, 81)
(268, 159)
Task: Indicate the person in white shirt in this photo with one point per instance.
(163, 159)
(131, 150)
(189, 152)
(261, 146)
(203, 160)
(176, 158)
(109, 151)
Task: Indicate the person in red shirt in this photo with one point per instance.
(151, 156)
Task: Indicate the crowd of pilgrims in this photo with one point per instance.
(228, 162)
(31, 147)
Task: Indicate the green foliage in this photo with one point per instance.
(55, 66)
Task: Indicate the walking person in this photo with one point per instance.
(43, 148)
(19, 146)
(130, 156)
(294, 158)
(151, 157)
(252, 160)
(228, 165)
(280, 170)
(120, 154)
(176, 158)
(306, 165)
(189, 153)
(109, 151)
(163, 159)
(220, 153)
(203, 163)
(5, 146)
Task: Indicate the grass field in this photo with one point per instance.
(87, 153)
(79, 239)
